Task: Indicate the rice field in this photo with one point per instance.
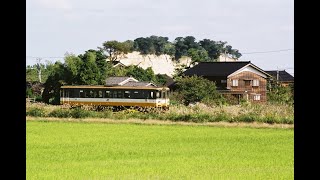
(93, 150)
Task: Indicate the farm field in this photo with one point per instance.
(83, 150)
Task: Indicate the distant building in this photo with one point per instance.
(126, 81)
(282, 77)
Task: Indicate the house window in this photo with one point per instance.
(247, 83)
(223, 81)
(255, 82)
(235, 82)
(256, 97)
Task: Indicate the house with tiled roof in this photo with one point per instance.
(126, 81)
(282, 77)
(241, 79)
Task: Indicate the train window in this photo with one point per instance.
(136, 95)
(91, 95)
(114, 94)
(126, 94)
(158, 94)
(71, 93)
(120, 94)
(163, 94)
(100, 94)
(82, 94)
(107, 94)
(151, 94)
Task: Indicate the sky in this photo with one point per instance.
(262, 30)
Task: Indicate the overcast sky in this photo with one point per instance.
(262, 28)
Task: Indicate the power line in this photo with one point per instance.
(281, 50)
(41, 57)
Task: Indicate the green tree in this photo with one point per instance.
(73, 65)
(56, 78)
(140, 74)
(89, 71)
(198, 55)
(116, 49)
(195, 89)
(280, 94)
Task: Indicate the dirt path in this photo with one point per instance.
(162, 122)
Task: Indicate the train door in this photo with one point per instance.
(67, 95)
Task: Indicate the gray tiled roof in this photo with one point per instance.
(283, 75)
(111, 81)
(131, 83)
(215, 68)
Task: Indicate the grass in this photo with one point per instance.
(263, 113)
(82, 150)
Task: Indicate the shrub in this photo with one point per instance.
(60, 113)
(36, 112)
(80, 113)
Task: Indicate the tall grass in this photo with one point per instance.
(266, 113)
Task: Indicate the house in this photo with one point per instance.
(126, 81)
(241, 79)
(282, 77)
(116, 64)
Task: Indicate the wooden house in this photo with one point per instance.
(241, 79)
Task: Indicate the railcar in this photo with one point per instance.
(115, 96)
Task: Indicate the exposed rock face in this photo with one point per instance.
(162, 64)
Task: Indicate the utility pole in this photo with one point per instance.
(38, 65)
(277, 74)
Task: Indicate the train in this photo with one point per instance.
(115, 96)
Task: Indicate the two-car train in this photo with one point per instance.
(115, 96)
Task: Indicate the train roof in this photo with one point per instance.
(112, 87)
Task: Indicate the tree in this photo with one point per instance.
(89, 71)
(195, 89)
(216, 48)
(140, 74)
(73, 65)
(101, 62)
(198, 55)
(144, 45)
(116, 49)
(280, 94)
(56, 78)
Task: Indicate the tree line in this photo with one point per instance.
(204, 50)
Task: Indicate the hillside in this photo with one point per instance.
(162, 64)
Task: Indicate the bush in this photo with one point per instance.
(80, 113)
(36, 112)
(194, 89)
(60, 113)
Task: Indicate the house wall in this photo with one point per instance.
(251, 90)
(217, 80)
